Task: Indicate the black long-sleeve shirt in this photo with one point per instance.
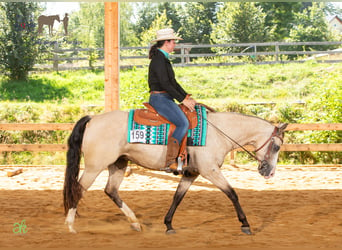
(161, 77)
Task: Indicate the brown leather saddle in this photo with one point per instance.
(150, 117)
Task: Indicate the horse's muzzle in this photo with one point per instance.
(265, 169)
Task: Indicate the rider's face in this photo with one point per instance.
(170, 45)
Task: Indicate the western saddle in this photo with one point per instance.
(150, 117)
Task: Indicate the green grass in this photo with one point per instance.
(251, 83)
(79, 87)
(220, 85)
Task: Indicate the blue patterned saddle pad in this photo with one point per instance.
(158, 135)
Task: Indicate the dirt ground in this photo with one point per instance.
(300, 207)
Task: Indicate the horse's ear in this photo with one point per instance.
(282, 126)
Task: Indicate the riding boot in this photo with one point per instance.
(172, 153)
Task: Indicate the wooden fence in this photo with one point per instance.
(258, 53)
(69, 126)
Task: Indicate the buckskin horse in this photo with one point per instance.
(103, 141)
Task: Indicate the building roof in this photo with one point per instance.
(337, 18)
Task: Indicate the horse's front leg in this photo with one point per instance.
(182, 188)
(216, 177)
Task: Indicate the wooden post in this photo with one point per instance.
(255, 52)
(277, 52)
(112, 68)
(182, 54)
(55, 57)
(232, 157)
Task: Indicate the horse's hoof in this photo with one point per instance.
(246, 230)
(136, 226)
(171, 231)
(71, 229)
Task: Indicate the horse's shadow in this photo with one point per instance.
(265, 217)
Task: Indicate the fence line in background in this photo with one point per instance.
(184, 52)
(69, 126)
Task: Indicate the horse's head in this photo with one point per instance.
(57, 18)
(268, 152)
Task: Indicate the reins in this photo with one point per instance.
(232, 140)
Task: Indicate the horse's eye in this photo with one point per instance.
(275, 148)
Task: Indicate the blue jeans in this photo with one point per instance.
(163, 103)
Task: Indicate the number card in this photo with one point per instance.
(138, 135)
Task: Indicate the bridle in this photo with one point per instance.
(271, 138)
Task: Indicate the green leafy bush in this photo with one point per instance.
(18, 41)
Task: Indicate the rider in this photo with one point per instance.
(164, 89)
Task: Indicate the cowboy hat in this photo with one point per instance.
(166, 34)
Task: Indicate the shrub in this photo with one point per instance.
(18, 39)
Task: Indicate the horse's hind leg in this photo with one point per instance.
(116, 175)
(87, 179)
(217, 178)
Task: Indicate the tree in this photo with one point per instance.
(280, 17)
(197, 20)
(18, 38)
(172, 13)
(160, 22)
(311, 25)
(192, 20)
(239, 22)
(128, 35)
(87, 25)
(147, 12)
(331, 10)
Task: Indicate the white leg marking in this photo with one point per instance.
(70, 220)
(131, 217)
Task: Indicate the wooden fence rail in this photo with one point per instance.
(276, 51)
(69, 126)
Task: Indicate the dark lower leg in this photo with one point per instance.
(241, 215)
(114, 196)
(182, 188)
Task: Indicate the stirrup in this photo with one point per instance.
(178, 170)
(180, 165)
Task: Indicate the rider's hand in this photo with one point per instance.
(189, 103)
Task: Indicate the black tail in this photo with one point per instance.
(72, 189)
